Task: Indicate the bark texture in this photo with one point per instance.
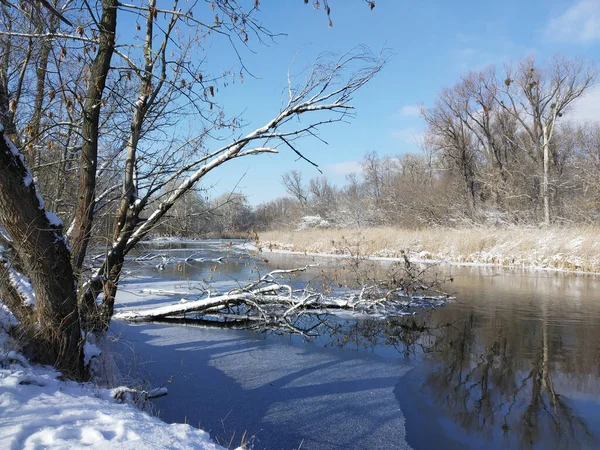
(45, 259)
(84, 214)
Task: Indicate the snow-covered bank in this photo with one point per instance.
(40, 410)
(571, 250)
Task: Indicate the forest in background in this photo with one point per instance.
(499, 150)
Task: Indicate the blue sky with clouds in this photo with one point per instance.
(434, 43)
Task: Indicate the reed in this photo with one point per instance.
(572, 249)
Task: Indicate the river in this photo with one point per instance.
(512, 362)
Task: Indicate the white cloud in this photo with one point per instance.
(579, 23)
(467, 52)
(408, 135)
(587, 108)
(411, 111)
(346, 167)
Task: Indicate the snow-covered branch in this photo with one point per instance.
(272, 301)
(328, 88)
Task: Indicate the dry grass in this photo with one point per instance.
(573, 249)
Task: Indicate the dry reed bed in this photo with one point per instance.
(572, 249)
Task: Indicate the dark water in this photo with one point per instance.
(513, 362)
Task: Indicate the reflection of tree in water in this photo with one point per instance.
(488, 384)
(497, 382)
(408, 335)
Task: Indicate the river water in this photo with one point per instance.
(512, 362)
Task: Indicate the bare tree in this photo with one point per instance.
(292, 181)
(450, 135)
(105, 125)
(538, 97)
(322, 196)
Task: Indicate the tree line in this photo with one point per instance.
(498, 149)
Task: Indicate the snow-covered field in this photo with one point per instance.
(40, 410)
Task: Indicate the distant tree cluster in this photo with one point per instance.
(196, 215)
(499, 149)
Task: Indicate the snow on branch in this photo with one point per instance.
(329, 87)
(271, 302)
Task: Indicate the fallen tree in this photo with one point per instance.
(272, 302)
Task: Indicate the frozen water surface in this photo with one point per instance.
(285, 394)
(513, 362)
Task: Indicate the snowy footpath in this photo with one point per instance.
(40, 410)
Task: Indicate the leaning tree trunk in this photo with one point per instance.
(44, 257)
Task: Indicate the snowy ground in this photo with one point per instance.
(39, 410)
(428, 258)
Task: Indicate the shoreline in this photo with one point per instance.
(573, 251)
(440, 262)
(43, 409)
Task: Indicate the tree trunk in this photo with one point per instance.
(45, 259)
(545, 183)
(84, 213)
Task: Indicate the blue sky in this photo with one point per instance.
(434, 43)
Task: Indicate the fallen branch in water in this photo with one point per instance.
(273, 302)
(134, 396)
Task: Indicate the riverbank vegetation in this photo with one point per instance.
(504, 177)
(499, 149)
(571, 249)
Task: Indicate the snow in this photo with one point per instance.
(53, 219)
(70, 229)
(313, 222)
(63, 239)
(247, 246)
(90, 349)
(23, 286)
(40, 200)
(12, 147)
(28, 179)
(169, 239)
(7, 322)
(532, 261)
(39, 410)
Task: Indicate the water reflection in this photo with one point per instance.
(497, 381)
(486, 386)
(506, 382)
